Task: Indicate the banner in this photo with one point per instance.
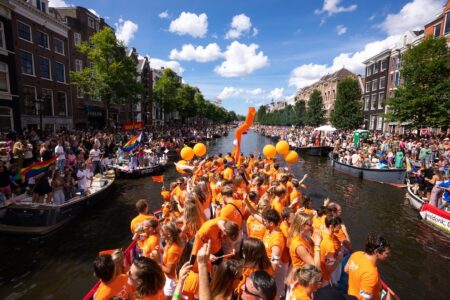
(133, 125)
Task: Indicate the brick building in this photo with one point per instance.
(440, 26)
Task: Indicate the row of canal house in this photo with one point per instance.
(38, 48)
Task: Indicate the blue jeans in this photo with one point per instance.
(60, 165)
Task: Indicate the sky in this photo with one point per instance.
(248, 53)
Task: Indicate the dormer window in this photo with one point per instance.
(41, 5)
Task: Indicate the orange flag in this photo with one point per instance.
(159, 178)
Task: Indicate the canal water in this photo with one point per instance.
(59, 266)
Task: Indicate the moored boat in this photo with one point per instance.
(25, 217)
(394, 177)
(123, 171)
(322, 151)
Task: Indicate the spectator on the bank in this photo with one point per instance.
(60, 156)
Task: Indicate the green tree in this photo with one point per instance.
(424, 97)
(112, 75)
(315, 114)
(347, 113)
(166, 91)
(185, 99)
(300, 112)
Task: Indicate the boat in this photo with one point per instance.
(129, 253)
(25, 217)
(436, 217)
(415, 200)
(395, 177)
(123, 171)
(322, 151)
(4, 203)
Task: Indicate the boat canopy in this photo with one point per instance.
(326, 128)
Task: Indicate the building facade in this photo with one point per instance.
(42, 66)
(141, 110)
(327, 86)
(440, 26)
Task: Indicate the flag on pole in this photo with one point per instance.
(159, 178)
(132, 143)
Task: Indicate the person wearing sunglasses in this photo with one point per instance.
(259, 285)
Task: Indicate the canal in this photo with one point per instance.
(59, 266)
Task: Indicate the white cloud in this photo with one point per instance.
(240, 25)
(156, 63)
(307, 74)
(164, 15)
(332, 7)
(322, 21)
(94, 12)
(276, 94)
(340, 29)
(200, 54)
(232, 92)
(189, 23)
(255, 31)
(241, 60)
(125, 30)
(58, 3)
(412, 16)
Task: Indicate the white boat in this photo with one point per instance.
(415, 200)
(436, 217)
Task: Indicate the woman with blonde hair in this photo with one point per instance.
(304, 281)
(193, 218)
(255, 228)
(171, 257)
(118, 258)
(302, 248)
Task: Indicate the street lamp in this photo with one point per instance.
(39, 108)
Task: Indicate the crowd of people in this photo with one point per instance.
(241, 228)
(80, 155)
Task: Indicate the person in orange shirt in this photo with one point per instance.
(302, 249)
(233, 209)
(255, 228)
(277, 202)
(296, 196)
(137, 222)
(307, 207)
(319, 219)
(147, 277)
(193, 218)
(228, 173)
(304, 282)
(343, 236)
(110, 286)
(287, 216)
(330, 251)
(171, 256)
(151, 244)
(364, 280)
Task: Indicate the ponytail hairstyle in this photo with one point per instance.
(173, 233)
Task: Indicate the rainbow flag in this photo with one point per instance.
(132, 143)
(36, 168)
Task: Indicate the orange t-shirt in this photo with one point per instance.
(255, 229)
(137, 221)
(299, 293)
(296, 242)
(191, 285)
(158, 296)
(327, 247)
(230, 212)
(209, 231)
(150, 244)
(363, 277)
(275, 238)
(246, 272)
(284, 227)
(172, 256)
(165, 195)
(309, 211)
(319, 222)
(228, 174)
(295, 194)
(117, 287)
(340, 235)
(277, 205)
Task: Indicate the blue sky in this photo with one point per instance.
(249, 52)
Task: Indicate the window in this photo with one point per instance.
(368, 86)
(40, 5)
(59, 72)
(369, 70)
(384, 64)
(24, 31)
(366, 102)
(380, 100)
(382, 83)
(379, 123)
(78, 65)
(47, 96)
(447, 23)
(60, 104)
(44, 68)
(59, 46)
(6, 119)
(29, 97)
(42, 39)
(91, 23)
(4, 78)
(374, 84)
(373, 102)
(97, 26)
(397, 78)
(375, 67)
(372, 122)
(77, 38)
(26, 62)
(437, 30)
(2, 36)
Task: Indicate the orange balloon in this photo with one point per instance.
(199, 149)
(180, 170)
(187, 153)
(282, 147)
(269, 151)
(291, 157)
